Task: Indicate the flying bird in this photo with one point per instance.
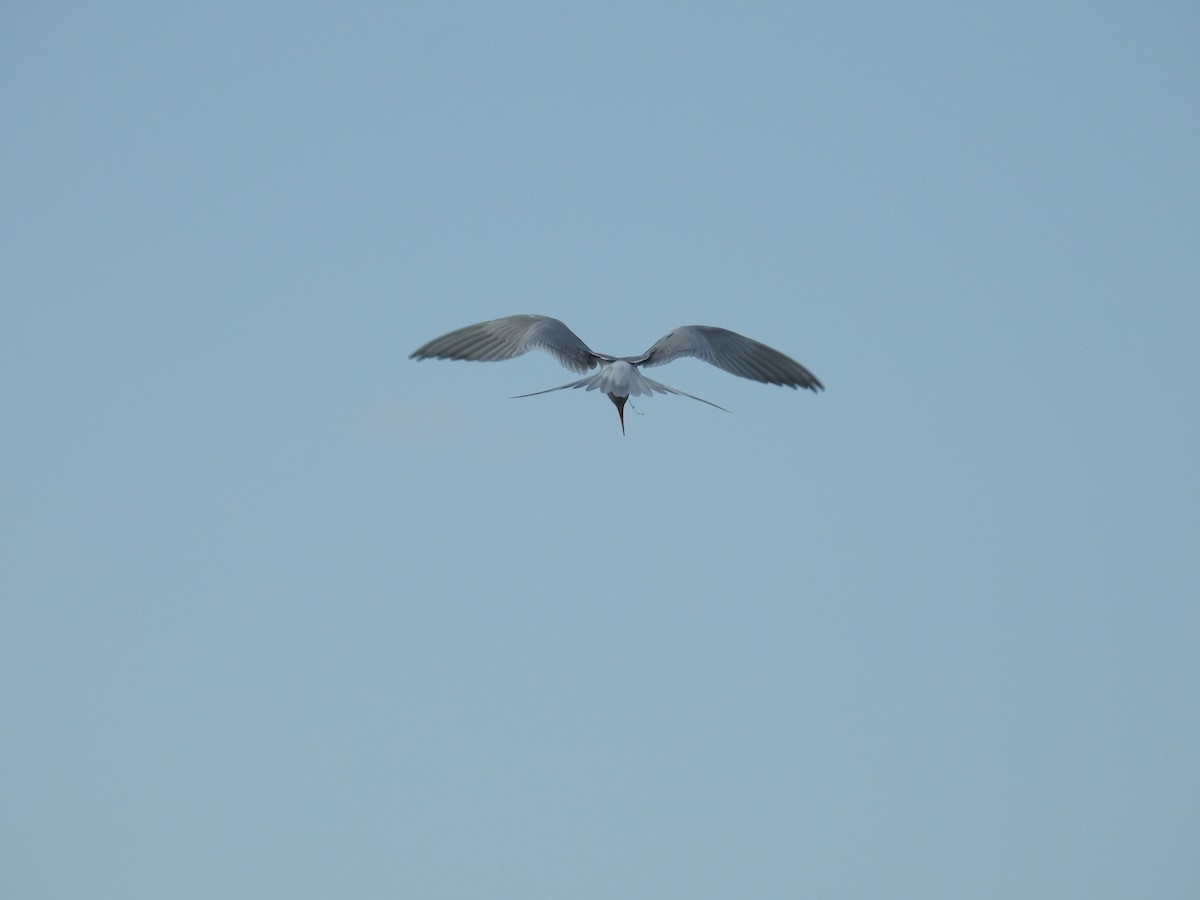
(620, 377)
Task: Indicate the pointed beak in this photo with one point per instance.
(620, 404)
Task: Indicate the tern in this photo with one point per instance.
(619, 376)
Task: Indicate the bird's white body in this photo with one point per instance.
(622, 379)
(619, 377)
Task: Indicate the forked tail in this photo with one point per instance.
(630, 387)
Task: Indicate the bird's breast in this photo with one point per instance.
(621, 379)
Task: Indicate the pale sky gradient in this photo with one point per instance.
(286, 614)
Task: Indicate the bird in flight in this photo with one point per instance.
(619, 377)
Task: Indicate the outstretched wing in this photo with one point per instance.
(732, 352)
(511, 336)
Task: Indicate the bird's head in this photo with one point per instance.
(619, 402)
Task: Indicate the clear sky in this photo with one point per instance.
(287, 614)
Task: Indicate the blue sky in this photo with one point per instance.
(287, 614)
